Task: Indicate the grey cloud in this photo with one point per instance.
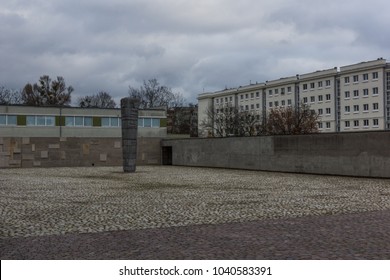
(188, 45)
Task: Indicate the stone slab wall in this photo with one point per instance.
(70, 152)
(364, 154)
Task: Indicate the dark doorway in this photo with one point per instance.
(167, 155)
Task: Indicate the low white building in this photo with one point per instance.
(31, 121)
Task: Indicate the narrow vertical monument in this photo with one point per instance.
(129, 111)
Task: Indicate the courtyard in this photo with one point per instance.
(59, 203)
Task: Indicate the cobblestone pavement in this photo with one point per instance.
(191, 213)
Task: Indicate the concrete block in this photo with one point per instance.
(26, 140)
(15, 162)
(27, 157)
(44, 154)
(54, 146)
(85, 149)
(36, 163)
(63, 155)
(117, 144)
(17, 151)
(103, 157)
(63, 139)
(32, 147)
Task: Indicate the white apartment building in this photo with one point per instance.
(354, 98)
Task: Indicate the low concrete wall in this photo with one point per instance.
(351, 154)
(70, 152)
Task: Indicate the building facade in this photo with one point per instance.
(352, 98)
(29, 121)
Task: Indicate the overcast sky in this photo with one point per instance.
(189, 45)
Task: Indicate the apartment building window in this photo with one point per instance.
(328, 125)
(282, 91)
(217, 101)
(230, 98)
(242, 97)
(328, 111)
(148, 122)
(40, 121)
(375, 107)
(252, 106)
(289, 102)
(327, 83)
(365, 107)
(347, 95)
(305, 100)
(328, 97)
(312, 85)
(277, 91)
(375, 122)
(347, 109)
(289, 90)
(356, 78)
(365, 92)
(365, 77)
(3, 120)
(320, 125)
(375, 91)
(226, 99)
(366, 123)
(346, 80)
(270, 92)
(312, 99)
(252, 95)
(242, 108)
(283, 102)
(320, 111)
(320, 98)
(8, 120)
(356, 108)
(246, 96)
(304, 86)
(114, 121)
(270, 104)
(276, 103)
(246, 107)
(356, 123)
(356, 93)
(217, 113)
(347, 124)
(320, 84)
(375, 76)
(78, 121)
(257, 94)
(257, 106)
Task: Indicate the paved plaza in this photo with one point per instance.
(165, 212)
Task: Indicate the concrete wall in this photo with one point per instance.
(353, 154)
(68, 152)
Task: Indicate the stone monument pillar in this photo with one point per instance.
(129, 111)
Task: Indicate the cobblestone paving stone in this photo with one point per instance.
(165, 212)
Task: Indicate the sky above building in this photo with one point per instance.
(190, 46)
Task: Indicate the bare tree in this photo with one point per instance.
(47, 92)
(99, 100)
(151, 94)
(9, 97)
(229, 121)
(291, 120)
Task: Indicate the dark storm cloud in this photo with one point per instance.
(190, 46)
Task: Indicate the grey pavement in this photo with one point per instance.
(191, 213)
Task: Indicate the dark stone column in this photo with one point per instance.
(129, 111)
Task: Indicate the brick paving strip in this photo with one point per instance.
(191, 213)
(347, 236)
